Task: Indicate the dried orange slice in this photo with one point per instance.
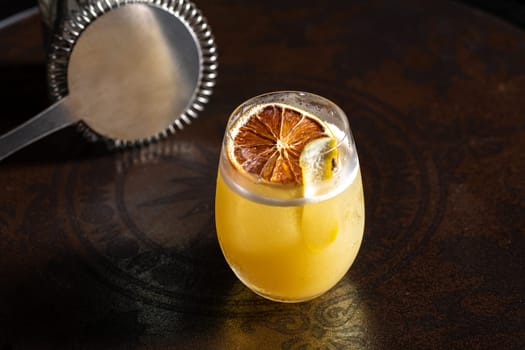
(269, 139)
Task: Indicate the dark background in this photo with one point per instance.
(512, 11)
(10, 7)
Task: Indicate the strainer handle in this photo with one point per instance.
(48, 121)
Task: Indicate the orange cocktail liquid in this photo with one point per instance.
(290, 253)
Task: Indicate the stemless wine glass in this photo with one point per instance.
(289, 204)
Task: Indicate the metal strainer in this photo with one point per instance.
(127, 72)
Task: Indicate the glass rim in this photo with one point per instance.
(345, 134)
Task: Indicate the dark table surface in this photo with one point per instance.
(118, 250)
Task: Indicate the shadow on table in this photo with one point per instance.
(60, 301)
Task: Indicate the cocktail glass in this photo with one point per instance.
(289, 204)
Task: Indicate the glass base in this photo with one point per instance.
(284, 300)
(276, 298)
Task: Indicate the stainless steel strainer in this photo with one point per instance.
(127, 72)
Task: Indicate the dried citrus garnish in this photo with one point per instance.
(269, 140)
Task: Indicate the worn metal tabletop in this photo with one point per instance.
(117, 250)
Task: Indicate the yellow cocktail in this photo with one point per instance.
(289, 233)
